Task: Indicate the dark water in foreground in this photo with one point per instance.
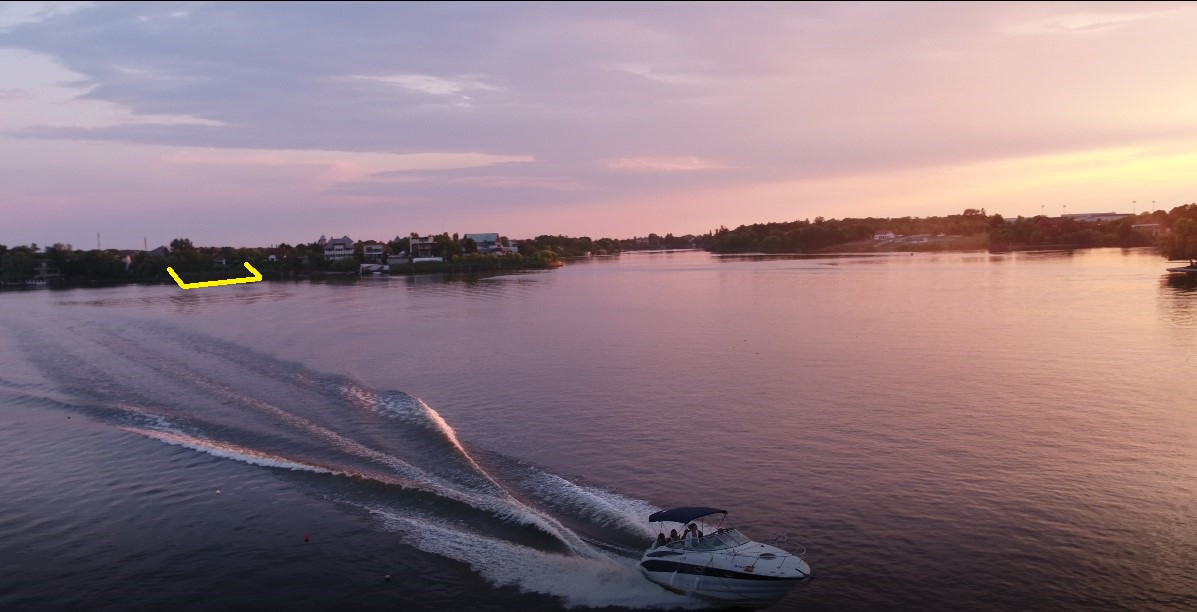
(941, 432)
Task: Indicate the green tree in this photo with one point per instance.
(62, 258)
(1181, 242)
(346, 265)
(17, 266)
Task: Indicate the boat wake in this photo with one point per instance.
(380, 452)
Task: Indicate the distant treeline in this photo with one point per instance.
(810, 236)
(986, 231)
(1174, 232)
(580, 247)
(60, 264)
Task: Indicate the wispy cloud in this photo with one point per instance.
(340, 165)
(663, 164)
(13, 14)
(52, 96)
(1083, 22)
(550, 183)
(432, 85)
(653, 74)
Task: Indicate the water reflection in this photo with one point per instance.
(479, 282)
(1047, 254)
(1178, 299)
(789, 256)
(1182, 283)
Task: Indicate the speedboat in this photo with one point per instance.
(722, 565)
(1189, 269)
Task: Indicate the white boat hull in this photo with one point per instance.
(752, 575)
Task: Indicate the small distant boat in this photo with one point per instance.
(723, 566)
(1189, 269)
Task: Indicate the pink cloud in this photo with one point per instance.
(663, 164)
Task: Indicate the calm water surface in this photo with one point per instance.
(941, 432)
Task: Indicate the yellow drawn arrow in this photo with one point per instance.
(257, 276)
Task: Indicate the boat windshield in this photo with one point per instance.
(721, 539)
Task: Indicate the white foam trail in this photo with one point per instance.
(440, 424)
(502, 504)
(504, 507)
(595, 582)
(597, 505)
(414, 410)
(400, 467)
(229, 451)
(157, 421)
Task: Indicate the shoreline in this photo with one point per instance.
(463, 269)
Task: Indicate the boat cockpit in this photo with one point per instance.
(720, 540)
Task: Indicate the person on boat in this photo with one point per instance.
(673, 536)
(692, 534)
(660, 540)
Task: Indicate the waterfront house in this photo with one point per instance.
(422, 249)
(883, 235)
(43, 271)
(372, 252)
(486, 243)
(338, 248)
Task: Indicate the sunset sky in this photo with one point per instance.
(247, 124)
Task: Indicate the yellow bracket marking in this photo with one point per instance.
(257, 276)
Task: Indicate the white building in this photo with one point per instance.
(883, 235)
(1095, 217)
(338, 248)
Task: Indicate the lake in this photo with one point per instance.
(939, 431)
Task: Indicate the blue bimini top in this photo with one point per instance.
(683, 515)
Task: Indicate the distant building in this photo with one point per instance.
(422, 249)
(1147, 229)
(883, 235)
(372, 251)
(1096, 217)
(161, 251)
(42, 270)
(486, 243)
(338, 248)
